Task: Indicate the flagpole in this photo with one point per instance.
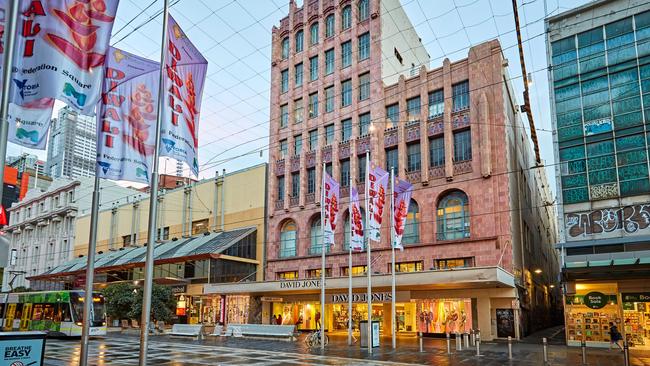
(350, 269)
(153, 200)
(90, 274)
(368, 269)
(392, 245)
(7, 66)
(322, 270)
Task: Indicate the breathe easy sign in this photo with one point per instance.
(17, 351)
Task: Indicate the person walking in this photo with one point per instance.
(615, 336)
(317, 318)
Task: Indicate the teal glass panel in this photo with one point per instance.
(623, 66)
(565, 70)
(571, 118)
(632, 156)
(644, 71)
(595, 99)
(600, 148)
(599, 137)
(646, 100)
(567, 105)
(602, 176)
(633, 142)
(575, 195)
(573, 181)
(588, 76)
(572, 153)
(620, 54)
(626, 105)
(623, 77)
(576, 166)
(569, 133)
(625, 90)
(567, 92)
(563, 45)
(590, 37)
(597, 112)
(635, 171)
(594, 85)
(645, 86)
(628, 120)
(643, 48)
(619, 27)
(642, 20)
(593, 62)
(634, 187)
(601, 162)
(565, 82)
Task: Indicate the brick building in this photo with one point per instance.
(479, 232)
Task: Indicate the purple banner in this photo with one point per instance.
(377, 181)
(401, 200)
(330, 208)
(356, 221)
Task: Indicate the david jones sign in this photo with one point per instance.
(376, 297)
(300, 284)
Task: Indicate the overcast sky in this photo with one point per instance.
(235, 37)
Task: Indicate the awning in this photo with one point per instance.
(195, 248)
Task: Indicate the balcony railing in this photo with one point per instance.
(437, 171)
(461, 167)
(279, 204)
(414, 176)
(345, 191)
(287, 252)
(294, 201)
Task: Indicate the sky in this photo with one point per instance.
(235, 38)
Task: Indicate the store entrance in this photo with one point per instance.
(340, 316)
(636, 317)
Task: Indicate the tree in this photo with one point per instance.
(119, 299)
(162, 303)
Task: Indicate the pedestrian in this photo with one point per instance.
(615, 337)
(279, 319)
(317, 318)
(275, 319)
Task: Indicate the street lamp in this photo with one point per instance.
(538, 271)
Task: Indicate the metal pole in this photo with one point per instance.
(153, 200)
(478, 342)
(90, 273)
(368, 265)
(459, 342)
(545, 345)
(350, 271)
(448, 344)
(626, 353)
(509, 347)
(420, 336)
(583, 346)
(322, 270)
(392, 245)
(466, 339)
(472, 337)
(9, 43)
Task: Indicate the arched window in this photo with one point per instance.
(329, 26)
(300, 36)
(313, 34)
(288, 236)
(411, 229)
(285, 48)
(364, 10)
(346, 240)
(346, 17)
(453, 216)
(316, 236)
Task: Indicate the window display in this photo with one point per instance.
(588, 323)
(359, 312)
(237, 309)
(302, 315)
(444, 315)
(636, 317)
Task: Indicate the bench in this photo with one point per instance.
(187, 330)
(260, 330)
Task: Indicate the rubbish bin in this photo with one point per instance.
(22, 348)
(363, 329)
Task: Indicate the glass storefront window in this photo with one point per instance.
(356, 270)
(589, 311)
(288, 275)
(237, 309)
(444, 315)
(302, 315)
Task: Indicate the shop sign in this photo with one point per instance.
(595, 300)
(25, 349)
(505, 323)
(628, 306)
(271, 299)
(636, 297)
(361, 297)
(582, 299)
(300, 284)
(178, 289)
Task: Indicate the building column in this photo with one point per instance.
(448, 133)
(424, 134)
(484, 321)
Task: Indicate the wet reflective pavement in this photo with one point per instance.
(122, 349)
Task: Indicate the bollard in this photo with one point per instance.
(626, 354)
(583, 345)
(545, 344)
(466, 338)
(472, 337)
(478, 342)
(420, 335)
(448, 344)
(509, 347)
(459, 342)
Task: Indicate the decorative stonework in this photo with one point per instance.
(295, 163)
(413, 132)
(279, 204)
(463, 167)
(437, 172)
(293, 201)
(390, 137)
(279, 167)
(309, 197)
(363, 144)
(310, 158)
(327, 154)
(602, 191)
(414, 177)
(460, 120)
(435, 127)
(344, 150)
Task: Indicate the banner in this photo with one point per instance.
(186, 69)
(29, 123)
(356, 221)
(126, 118)
(330, 208)
(60, 51)
(377, 189)
(401, 200)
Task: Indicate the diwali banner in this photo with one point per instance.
(126, 118)
(356, 221)
(401, 200)
(330, 208)
(29, 123)
(60, 51)
(185, 76)
(377, 189)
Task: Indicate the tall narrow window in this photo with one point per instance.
(392, 160)
(413, 157)
(284, 87)
(298, 110)
(284, 115)
(280, 188)
(297, 144)
(462, 146)
(436, 104)
(284, 147)
(346, 93)
(329, 134)
(345, 173)
(298, 74)
(313, 68)
(364, 124)
(411, 230)
(311, 180)
(346, 17)
(392, 115)
(364, 86)
(329, 61)
(288, 239)
(313, 34)
(364, 10)
(437, 151)
(295, 184)
(453, 216)
(300, 35)
(285, 48)
(313, 105)
(329, 99)
(313, 139)
(346, 129)
(362, 168)
(316, 235)
(364, 46)
(460, 94)
(413, 109)
(346, 54)
(329, 26)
